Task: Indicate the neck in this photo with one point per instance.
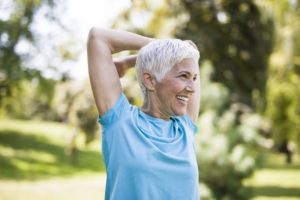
(151, 107)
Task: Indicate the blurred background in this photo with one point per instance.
(249, 126)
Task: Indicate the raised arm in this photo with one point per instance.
(194, 104)
(104, 78)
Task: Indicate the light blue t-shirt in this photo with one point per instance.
(148, 158)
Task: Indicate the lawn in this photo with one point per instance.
(33, 163)
(33, 150)
(86, 187)
(276, 180)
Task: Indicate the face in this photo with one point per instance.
(173, 93)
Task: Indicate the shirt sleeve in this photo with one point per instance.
(190, 123)
(115, 113)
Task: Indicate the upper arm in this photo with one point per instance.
(103, 75)
(194, 103)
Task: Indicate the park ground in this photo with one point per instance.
(33, 165)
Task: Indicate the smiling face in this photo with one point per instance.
(171, 95)
(160, 55)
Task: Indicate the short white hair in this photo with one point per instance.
(159, 56)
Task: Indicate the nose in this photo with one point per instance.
(190, 87)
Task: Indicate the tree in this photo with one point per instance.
(283, 102)
(237, 39)
(233, 35)
(19, 42)
(74, 103)
(14, 30)
(31, 100)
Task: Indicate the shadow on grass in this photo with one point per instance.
(275, 191)
(24, 156)
(281, 166)
(275, 160)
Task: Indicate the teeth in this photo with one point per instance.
(182, 98)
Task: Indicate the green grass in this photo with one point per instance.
(31, 150)
(276, 180)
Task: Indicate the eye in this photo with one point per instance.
(184, 76)
(194, 78)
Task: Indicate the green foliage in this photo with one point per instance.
(226, 141)
(237, 39)
(46, 99)
(152, 17)
(26, 53)
(74, 103)
(284, 110)
(31, 100)
(14, 30)
(283, 106)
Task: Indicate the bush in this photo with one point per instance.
(228, 134)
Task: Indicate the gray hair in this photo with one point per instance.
(159, 56)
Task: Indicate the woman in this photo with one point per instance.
(148, 151)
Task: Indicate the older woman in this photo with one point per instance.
(148, 151)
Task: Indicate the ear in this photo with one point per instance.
(149, 81)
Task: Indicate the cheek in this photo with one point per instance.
(176, 86)
(173, 87)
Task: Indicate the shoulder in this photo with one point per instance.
(187, 122)
(119, 110)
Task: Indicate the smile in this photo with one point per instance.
(183, 98)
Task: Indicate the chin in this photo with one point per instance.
(180, 113)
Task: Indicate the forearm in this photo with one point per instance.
(129, 61)
(123, 64)
(118, 40)
(194, 104)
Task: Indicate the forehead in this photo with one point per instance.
(188, 64)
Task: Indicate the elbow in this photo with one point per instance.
(93, 33)
(99, 36)
(97, 32)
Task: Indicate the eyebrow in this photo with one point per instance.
(187, 72)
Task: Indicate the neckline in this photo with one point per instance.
(151, 118)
